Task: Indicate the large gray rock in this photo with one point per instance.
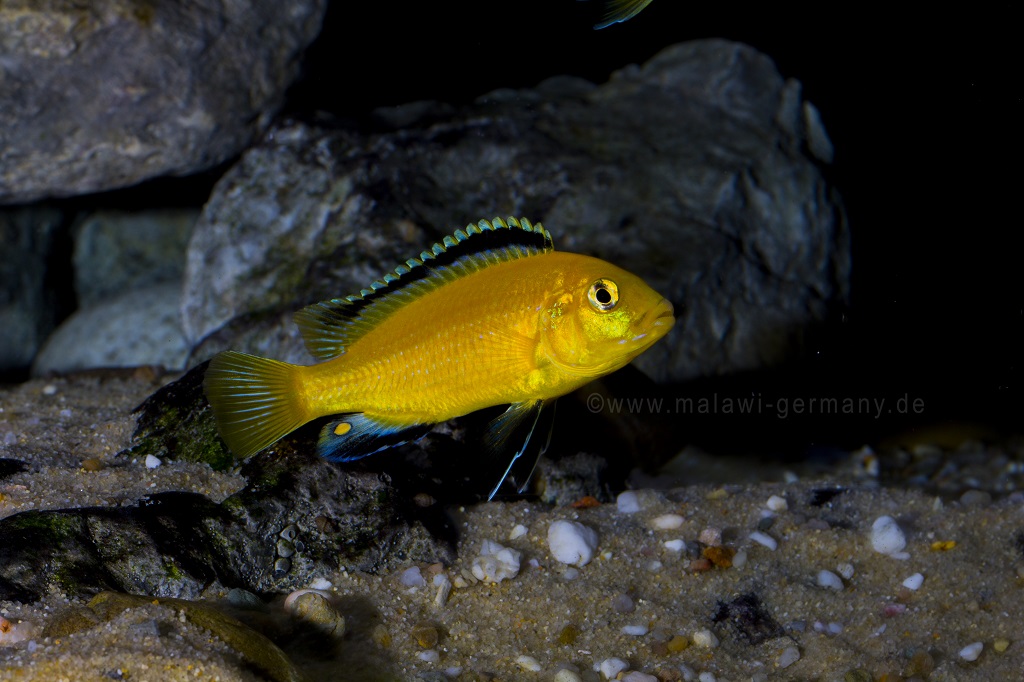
(107, 93)
(701, 171)
(117, 251)
(137, 327)
(27, 311)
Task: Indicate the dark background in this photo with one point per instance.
(924, 107)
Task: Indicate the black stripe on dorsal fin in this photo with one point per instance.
(330, 326)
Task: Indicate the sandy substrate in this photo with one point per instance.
(721, 604)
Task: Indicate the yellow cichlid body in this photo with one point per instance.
(491, 316)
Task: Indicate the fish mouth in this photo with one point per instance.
(655, 323)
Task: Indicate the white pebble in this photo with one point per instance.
(845, 570)
(444, 588)
(667, 522)
(764, 539)
(152, 462)
(705, 638)
(712, 537)
(777, 503)
(610, 667)
(321, 584)
(971, 651)
(637, 676)
(830, 580)
(518, 531)
(49, 389)
(571, 542)
(566, 675)
(739, 559)
(570, 574)
(495, 562)
(635, 630)
(707, 677)
(675, 545)
(687, 672)
(528, 663)
(789, 656)
(913, 582)
(429, 656)
(411, 577)
(628, 502)
(886, 536)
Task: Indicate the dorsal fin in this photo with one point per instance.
(330, 326)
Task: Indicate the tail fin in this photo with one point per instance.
(253, 400)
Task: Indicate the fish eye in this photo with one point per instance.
(603, 295)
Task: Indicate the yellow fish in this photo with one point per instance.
(493, 315)
(621, 10)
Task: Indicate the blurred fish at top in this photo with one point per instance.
(618, 11)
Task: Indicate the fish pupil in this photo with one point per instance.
(603, 295)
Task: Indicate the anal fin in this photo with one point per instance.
(353, 436)
(527, 427)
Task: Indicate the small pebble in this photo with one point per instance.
(830, 580)
(675, 545)
(705, 639)
(412, 577)
(634, 630)
(321, 584)
(623, 603)
(845, 570)
(518, 531)
(788, 657)
(566, 675)
(317, 610)
(972, 651)
(429, 656)
(92, 464)
(777, 503)
(887, 537)
(677, 644)
(763, 539)
(152, 462)
(49, 389)
(976, 498)
(444, 588)
(711, 537)
(611, 667)
(637, 676)
(528, 663)
(707, 677)
(495, 562)
(1000, 644)
(571, 542)
(913, 582)
(627, 503)
(667, 522)
(425, 634)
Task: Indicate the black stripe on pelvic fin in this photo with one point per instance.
(328, 327)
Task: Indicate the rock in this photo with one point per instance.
(116, 251)
(28, 310)
(692, 171)
(138, 327)
(109, 93)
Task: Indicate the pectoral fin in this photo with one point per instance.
(527, 427)
(352, 436)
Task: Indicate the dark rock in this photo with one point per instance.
(28, 310)
(105, 94)
(746, 616)
(700, 171)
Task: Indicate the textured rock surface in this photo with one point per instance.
(699, 171)
(105, 94)
(27, 311)
(118, 251)
(137, 327)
